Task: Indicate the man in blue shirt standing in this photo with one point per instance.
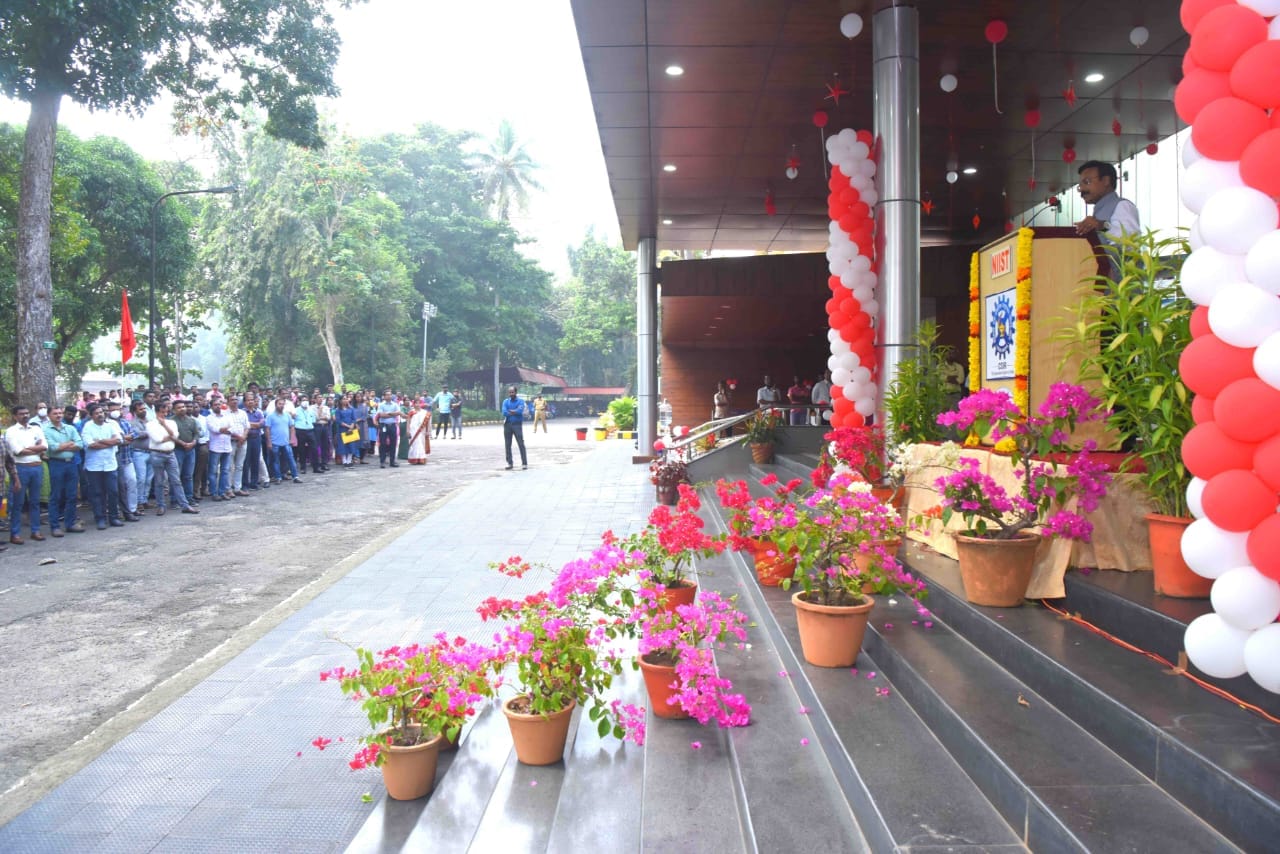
(64, 475)
(442, 403)
(513, 426)
(387, 417)
(278, 448)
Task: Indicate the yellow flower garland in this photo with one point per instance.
(975, 327)
(1022, 346)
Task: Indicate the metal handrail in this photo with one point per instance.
(681, 446)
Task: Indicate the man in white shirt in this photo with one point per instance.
(239, 448)
(767, 393)
(821, 396)
(1112, 215)
(219, 451)
(26, 443)
(163, 433)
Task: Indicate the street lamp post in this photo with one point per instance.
(151, 316)
(429, 311)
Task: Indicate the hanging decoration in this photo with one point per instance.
(948, 83)
(835, 90)
(1138, 36)
(1069, 94)
(851, 25)
(1031, 119)
(977, 220)
(820, 119)
(770, 207)
(851, 261)
(1068, 155)
(927, 204)
(793, 164)
(1232, 181)
(953, 176)
(1116, 127)
(996, 32)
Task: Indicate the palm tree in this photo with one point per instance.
(507, 170)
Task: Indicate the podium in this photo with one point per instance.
(1021, 348)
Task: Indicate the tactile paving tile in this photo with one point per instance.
(175, 791)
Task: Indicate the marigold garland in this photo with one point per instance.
(975, 326)
(1022, 344)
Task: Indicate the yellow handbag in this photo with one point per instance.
(351, 436)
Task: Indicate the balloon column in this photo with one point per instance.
(851, 261)
(1233, 361)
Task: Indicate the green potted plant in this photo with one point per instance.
(666, 473)
(763, 433)
(623, 410)
(922, 389)
(1143, 321)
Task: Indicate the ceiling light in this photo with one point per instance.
(669, 167)
(971, 170)
(1094, 77)
(718, 317)
(666, 222)
(674, 70)
(726, 306)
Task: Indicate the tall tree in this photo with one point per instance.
(507, 171)
(214, 56)
(598, 309)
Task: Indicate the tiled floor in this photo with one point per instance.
(220, 770)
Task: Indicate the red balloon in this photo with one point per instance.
(1188, 64)
(997, 31)
(1032, 119)
(848, 197)
(819, 118)
(1237, 500)
(1152, 148)
(1224, 34)
(865, 136)
(1260, 162)
(837, 392)
(842, 405)
(850, 306)
(1200, 321)
(1197, 89)
(833, 282)
(1255, 77)
(1266, 462)
(860, 210)
(848, 223)
(840, 321)
(831, 305)
(1248, 410)
(1208, 365)
(1208, 452)
(1263, 547)
(1225, 127)
(1193, 10)
(1201, 409)
(1275, 118)
(860, 320)
(1068, 155)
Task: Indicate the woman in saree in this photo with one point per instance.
(419, 440)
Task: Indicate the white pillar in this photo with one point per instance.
(647, 344)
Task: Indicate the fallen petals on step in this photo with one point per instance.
(854, 671)
(889, 626)
(915, 622)
(928, 624)
(533, 782)
(782, 673)
(804, 742)
(871, 675)
(882, 692)
(696, 745)
(804, 710)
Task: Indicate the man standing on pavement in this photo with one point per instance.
(219, 426)
(239, 448)
(387, 418)
(253, 454)
(26, 443)
(279, 423)
(188, 434)
(513, 426)
(304, 428)
(8, 473)
(63, 441)
(126, 477)
(200, 479)
(455, 412)
(163, 433)
(443, 404)
(102, 438)
(539, 413)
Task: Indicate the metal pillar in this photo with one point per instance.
(647, 344)
(896, 82)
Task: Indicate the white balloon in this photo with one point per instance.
(1206, 177)
(1262, 652)
(1273, 30)
(849, 361)
(1215, 646)
(1193, 236)
(1138, 36)
(859, 150)
(865, 407)
(871, 196)
(1206, 270)
(871, 307)
(833, 363)
(1190, 154)
(839, 346)
(860, 263)
(868, 168)
(840, 376)
(826, 414)
(1211, 551)
(861, 375)
(1235, 218)
(1246, 598)
(1195, 496)
(1265, 8)
(847, 136)
(1262, 264)
(862, 293)
(948, 83)
(1243, 315)
(1266, 361)
(851, 25)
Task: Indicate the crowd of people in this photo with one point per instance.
(149, 449)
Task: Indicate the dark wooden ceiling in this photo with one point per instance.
(756, 70)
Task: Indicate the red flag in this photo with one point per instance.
(127, 341)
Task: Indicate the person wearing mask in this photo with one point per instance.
(41, 417)
(126, 477)
(102, 439)
(219, 426)
(279, 425)
(26, 443)
(387, 418)
(63, 441)
(141, 452)
(239, 447)
(304, 428)
(513, 410)
(185, 450)
(163, 433)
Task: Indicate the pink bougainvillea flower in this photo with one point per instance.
(804, 742)
(882, 692)
(533, 782)
(928, 624)
(871, 675)
(854, 671)
(322, 742)
(696, 745)
(804, 710)
(782, 673)
(299, 752)
(889, 626)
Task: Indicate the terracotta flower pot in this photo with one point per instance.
(866, 562)
(668, 495)
(831, 635)
(674, 597)
(762, 452)
(658, 679)
(1170, 573)
(997, 573)
(539, 740)
(410, 772)
(773, 569)
(895, 498)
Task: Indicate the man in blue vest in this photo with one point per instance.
(513, 410)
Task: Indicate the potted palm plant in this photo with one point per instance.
(1143, 322)
(763, 433)
(922, 390)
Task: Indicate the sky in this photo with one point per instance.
(463, 65)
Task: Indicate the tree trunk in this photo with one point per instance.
(329, 335)
(35, 281)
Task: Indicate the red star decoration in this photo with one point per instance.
(769, 207)
(793, 162)
(977, 221)
(1069, 94)
(834, 91)
(1116, 128)
(1031, 184)
(927, 206)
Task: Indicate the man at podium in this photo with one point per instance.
(1112, 215)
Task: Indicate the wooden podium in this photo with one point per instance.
(1061, 262)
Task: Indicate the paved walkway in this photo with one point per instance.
(229, 766)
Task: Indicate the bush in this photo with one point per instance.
(623, 411)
